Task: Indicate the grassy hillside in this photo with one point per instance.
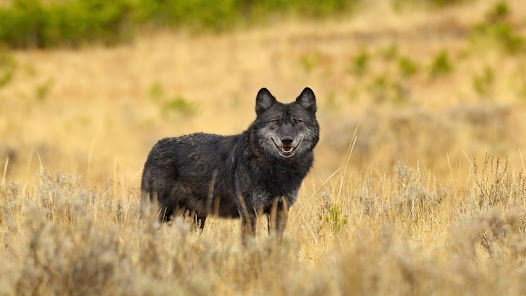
(418, 185)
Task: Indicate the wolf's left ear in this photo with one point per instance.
(264, 100)
(307, 100)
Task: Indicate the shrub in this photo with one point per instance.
(310, 61)
(156, 92)
(499, 30)
(503, 35)
(7, 68)
(334, 218)
(178, 105)
(382, 89)
(414, 201)
(483, 84)
(359, 63)
(390, 52)
(379, 89)
(42, 90)
(407, 67)
(498, 12)
(441, 64)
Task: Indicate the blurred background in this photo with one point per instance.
(89, 86)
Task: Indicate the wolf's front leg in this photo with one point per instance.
(278, 216)
(248, 227)
(248, 216)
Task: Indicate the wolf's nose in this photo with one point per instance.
(286, 141)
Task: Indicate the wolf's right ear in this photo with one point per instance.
(264, 100)
(307, 100)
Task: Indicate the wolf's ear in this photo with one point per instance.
(264, 100)
(307, 100)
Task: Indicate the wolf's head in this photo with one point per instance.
(286, 130)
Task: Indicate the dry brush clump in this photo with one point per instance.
(497, 185)
(414, 200)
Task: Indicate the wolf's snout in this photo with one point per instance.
(287, 141)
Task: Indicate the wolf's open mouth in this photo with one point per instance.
(285, 150)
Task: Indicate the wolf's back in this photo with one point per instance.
(186, 157)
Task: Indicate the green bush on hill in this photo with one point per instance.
(31, 23)
(48, 23)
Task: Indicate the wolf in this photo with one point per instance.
(237, 176)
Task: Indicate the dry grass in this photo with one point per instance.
(432, 200)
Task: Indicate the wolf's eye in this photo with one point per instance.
(296, 120)
(275, 121)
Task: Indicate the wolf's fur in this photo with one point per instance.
(233, 176)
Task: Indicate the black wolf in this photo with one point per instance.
(234, 176)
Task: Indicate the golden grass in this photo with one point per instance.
(432, 200)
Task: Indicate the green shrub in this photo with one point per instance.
(379, 89)
(407, 67)
(383, 89)
(334, 218)
(310, 61)
(483, 84)
(7, 67)
(499, 12)
(42, 90)
(156, 92)
(498, 30)
(359, 63)
(178, 106)
(503, 35)
(390, 52)
(441, 64)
